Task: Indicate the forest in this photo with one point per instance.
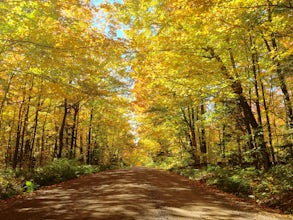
(201, 87)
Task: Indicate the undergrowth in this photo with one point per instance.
(14, 182)
(273, 188)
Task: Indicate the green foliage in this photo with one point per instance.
(9, 184)
(13, 182)
(230, 180)
(61, 170)
(273, 188)
(29, 186)
(55, 172)
(187, 171)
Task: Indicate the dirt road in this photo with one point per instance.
(138, 193)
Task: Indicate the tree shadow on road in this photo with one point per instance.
(137, 193)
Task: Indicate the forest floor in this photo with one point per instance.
(137, 193)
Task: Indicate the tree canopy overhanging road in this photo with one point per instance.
(203, 88)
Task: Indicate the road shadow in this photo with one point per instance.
(137, 193)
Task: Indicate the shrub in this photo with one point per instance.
(29, 186)
(61, 170)
(9, 184)
(13, 182)
(273, 188)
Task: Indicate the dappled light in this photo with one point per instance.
(90, 89)
(138, 193)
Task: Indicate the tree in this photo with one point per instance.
(212, 50)
(54, 62)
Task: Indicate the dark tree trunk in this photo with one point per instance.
(279, 71)
(81, 157)
(23, 152)
(9, 143)
(43, 137)
(254, 59)
(246, 109)
(189, 120)
(88, 159)
(74, 132)
(18, 136)
(6, 91)
(62, 129)
(34, 131)
(258, 132)
(223, 141)
(268, 123)
(203, 143)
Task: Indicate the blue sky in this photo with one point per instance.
(119, 33)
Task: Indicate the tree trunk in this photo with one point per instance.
(23, 152)
(18, 136)
(223, 141)
(254, 60)
(189, 119)
(43, 136)
(203, 144)
(34, 131)
(74, 132)
(9, 142)
(81, 157)
(88, 159)
(258, 132)
(280, 74)
(6, 91)
(62, 129)
(244, 106)
(268, 123)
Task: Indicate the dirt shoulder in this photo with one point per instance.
(137, 193)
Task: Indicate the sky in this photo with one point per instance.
(119, 33)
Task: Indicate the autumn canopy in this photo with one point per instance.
(151, 82)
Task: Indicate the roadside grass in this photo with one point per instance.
(15, 182)
(273, 189)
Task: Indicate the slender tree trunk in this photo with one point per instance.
(9, 142)
(268, 123)
(43, 140)
(34, 131)
(189, 119)
(255, 73)
(90, 136)
(43, 136)
(77, 130)
(258, 132)
(203, 143)
(223, 142)
(249, 117)
(8, 149)
(246, 109)
(6, 91)
(81, 157)
(23, 150)
(55, 151)
(18, 135)
(62, 129)
(279, 71)
(191, 116)
(283, 84)
(73, 131)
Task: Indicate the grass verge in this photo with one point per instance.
(15, 182)
(272, 189)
